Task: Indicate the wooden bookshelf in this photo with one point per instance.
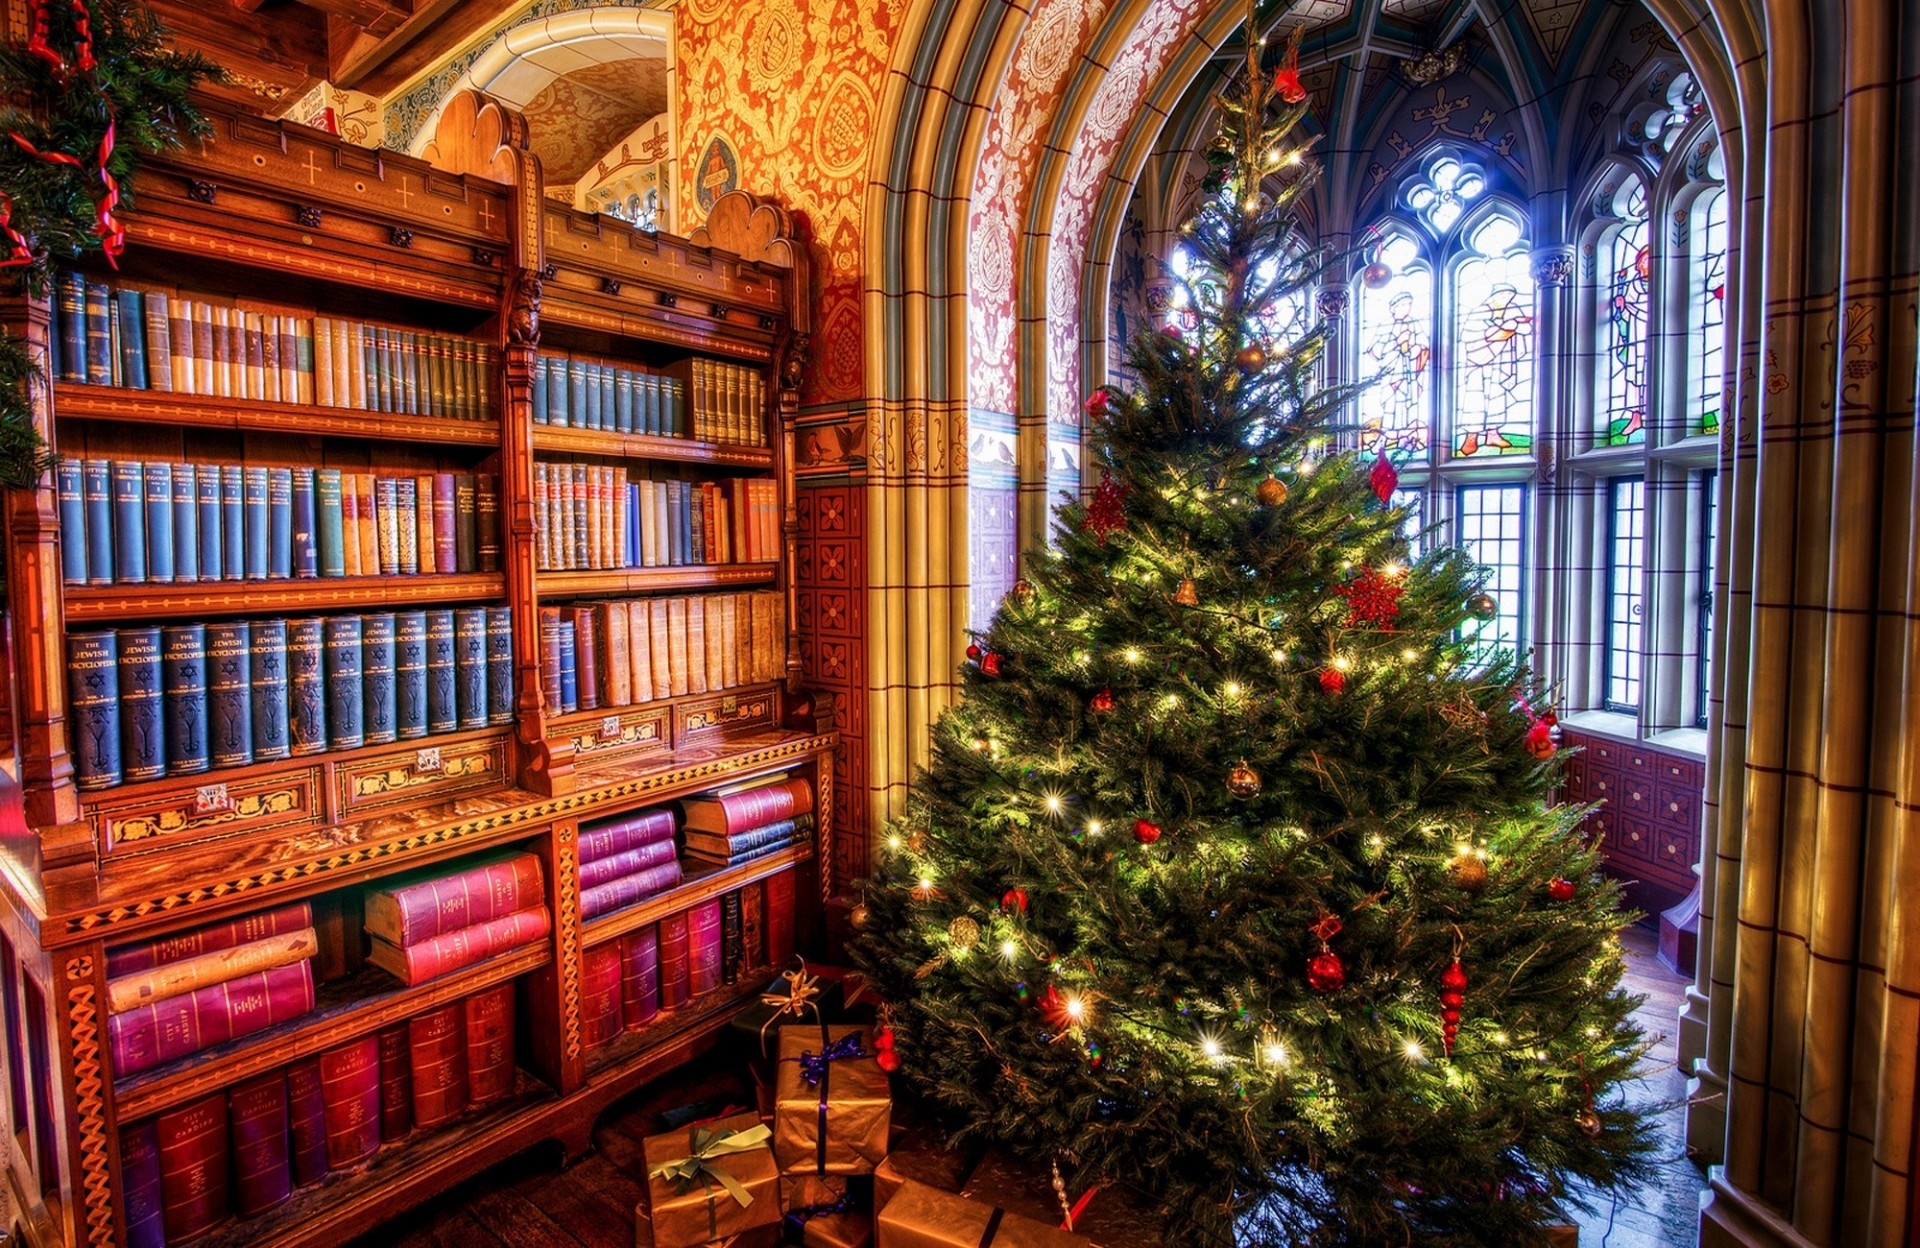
(468, 247)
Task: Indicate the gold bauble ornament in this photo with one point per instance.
(1589, 1122)
(1468, 872)
(1272, 492)
(1251, 358)
(1023, 588)
(1483, 607)
(1187, 595)
(963, 932)
(1242, 780)
(858, 916)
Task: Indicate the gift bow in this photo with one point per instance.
(802, 988)
(813, 1067)
(705, 1145)
(798, 1218)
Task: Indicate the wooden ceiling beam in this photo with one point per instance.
(431, 32)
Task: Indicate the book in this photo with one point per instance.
(424, 541)
(329, 523)
(627, 889)
(396, 1085)
(407, 523)
(142, 955)
(217, 966)
(140, 1185)
(486, 523)
(99, 353)
(465, 522)
(782, 935)
(256, 492)
(366, 526)
(377, 658)
(407, 912)
(747, 808)
(569, 672)
(410, 673)
(446, 537)
(193, 1166)
(157, 487)
(703, 948)
(604, 840)
(640, 977)
(93, 700)
(489, 1026)
(129, 522)
(186, 523)
(229, 700)
(267, 649)
(753, 924)
(143, 746)
(459, 948)
(627, 862)
(306, 1123)
(713, 847)
(257, 1127)
(442, 702)
(600, 1004)
(499, 665)
(673, 960)
(437, 1064)
(96, 506)
(733, 956)
(346, 723)
(163, 1031)
(586, 649)
(350, 1093)
(233, 522)
(306, 687)
(470, 665)
(70, 304)
(386, 493)
(304, 548)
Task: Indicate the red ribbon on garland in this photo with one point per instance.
(18, 253)
(41, 49)
(112, 235)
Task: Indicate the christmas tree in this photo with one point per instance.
(1231, 878)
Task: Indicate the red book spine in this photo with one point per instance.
(627, 862)
(640, 977)
(703, 948)
(600, 994)
(193, 1167)
(649, 827)
(767, 804)
(753, 924)
(586, 652)
(781, 937)
(627, 889)
(416, 912)
(306, 1122)
(490, 1043)
(474, 944)
(396, 1089)
(257, 1123)
(437, 1047)
(444, 524)
(162, 1031)
(140, 1185)
(673, 960)
(350, 1092)
(146, 954)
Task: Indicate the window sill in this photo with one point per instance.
(1606, 723)
(1690, 741)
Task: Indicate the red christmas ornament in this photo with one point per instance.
(887, 1060)
(883, 1039)
(1286, 80)
(1014, 899)
(1106, 510)
(973, 653)
(1453, 994)
(989, 664)
(1333, 681)
(1383, 477)
(1325, 972)
(1146, 831)
(1101, 702)
(1540, 739)
(1054, 1008)
(1560, 888)
(1100, 404)
(1373, 600)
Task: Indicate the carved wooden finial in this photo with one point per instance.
(478, 135)
(758, 229)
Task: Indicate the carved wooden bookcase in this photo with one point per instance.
(465, 241)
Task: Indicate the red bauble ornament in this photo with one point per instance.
(1053, 1007)
(1560, 888)
(1101, 702)
(1106, 510)
(1383, 477)
(990, 664)
(973, 653)
(1100, 404)
(883, 1040)
(1333, 681)
(1539, 739)
(1146, 831)
(887, 1060)
(1373, 600)
(1325, 972)
(1377, 275)
(1287, 83)
(1014, 899)
(1453, 994)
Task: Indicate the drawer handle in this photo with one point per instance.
(1635, 835)
(427, 760)
(212, 799)
(610, 728)
(1673, 849)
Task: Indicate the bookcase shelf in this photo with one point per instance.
(118, 403)
(615, 1060)
(700, 884)
(196, 599)
(655, 580)
(649, 447)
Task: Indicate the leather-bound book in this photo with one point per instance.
(96, 502)
(461, 947)
(586, 654)
(489, 1023)
(640, 977)
(446, 525)
(289, 506)
(466, 527)
(173, 979)
(437, 1050)
(703, 948)
(646, 827)
(753, 924)
(410, 674)
(781, 936)
(407, 912)
(129, 522)
(149, 1035)
(157, 484)
(626, 889)
(143, 743)
(738, 812)
(470, 665)
(257, 1125)
(143, 955)
(350, 1092)
(230, 692)
(673, 960)
(233, 521)
(627, 862)
(486, 522)
(330, 522)
(600, 1001)
(306, 1122)
(140, 1185)
(262, 521)
(267, 663)
(93, 700)
(396, 1084)
(732, 950)
(378, 699)
(186, 523)
(346, 701)
(442, 701)
(207, 522)
(193, 1167)
(306, 687)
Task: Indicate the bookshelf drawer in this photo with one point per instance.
(282, 798)
(733, 710)
(627, 730)
(429, 770)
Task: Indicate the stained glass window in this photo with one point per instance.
(1626, 604)
(1414, 501)
(1445, 193)
(1492, 522)
(1710, 311)
(1623, 329)
(1493, 344)
(1396, 353)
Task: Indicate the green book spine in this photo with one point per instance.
(330, 522)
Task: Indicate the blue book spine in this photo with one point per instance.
(623, 402)
(99, 334)
(186, 524)
(377, 661)
(569, 670)
(133, 339)
(556, 390)
(73, 521)
(93, 702)
(633, 525)
(229, 701)
(576, 410)
(233, 527)
(183, 662)
(129, 522)
(282, 524)
(143, 737)
(329, 522)
(470, 666)
(609, 415)
(647, 396)
(70, 299)
(410, 674)
(306, 686)
(541, 367)
(346, 727)
(271, 739)
(500, 665)
(443, 710)
(206, 492)
(256, 491)
(96, 495)
(305, 551)
(158, 484)
(594, 419)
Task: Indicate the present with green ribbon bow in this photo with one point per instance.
(711, 1180)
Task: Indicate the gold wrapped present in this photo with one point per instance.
(832, 1105)
(919, 1216)
(827, 1211)
(1110, 1217)
(921, 1154)
(710, 1181)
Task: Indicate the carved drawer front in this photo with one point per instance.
(202, 807)
(737, 709)
(1598, 828)
(1677, 806)
(1602, 785)
(1673, 770)
(1675, 850)
(1604, 753)
(1573, 784)
(421, 771)
(1639, 762)
(636, 729)
(1633, 838)
(1635, 794)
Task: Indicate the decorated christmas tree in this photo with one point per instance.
(1231, 877)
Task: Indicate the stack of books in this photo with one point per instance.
(735, 825)
(172, 701)
(590, 516)
(135, 522)
(246, 1149)
(578, 393)
(155, 338)
(423, 927)
(625, 860)
(624, 652)
(175, 995)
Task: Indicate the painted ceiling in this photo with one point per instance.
(579, 116)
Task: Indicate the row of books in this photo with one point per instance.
(707, 400)
(133, 522)
(627, 860)
(427, 924)
(154, 701)
(150, 338)
(244, 1150)
(589, 516)
(624, 652)
(748, 821)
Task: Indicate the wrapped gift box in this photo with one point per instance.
(922, 1155)
(831, 1108)
(827, 1211)
(700, 1209)
(1114, 1217)
(919, 1216)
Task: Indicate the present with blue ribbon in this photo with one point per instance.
(832, 1106)
(711, 1180)
(834, 1211)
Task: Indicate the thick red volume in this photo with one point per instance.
(648, 827)
(463, 947)
(146, 954)
(749, 808)
(396, 1087)
(193, 1167)
(306, 1123)
(350, 1090)
(627, 889)
(140, 1185)
(781, 937)
(257, 1124)
(490, 1043)
(640, 977)
(147, 1035)
(600, 994)
(437, 1047)
(627, 862)
(411, 913)
(703, 948)
(673, 960)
